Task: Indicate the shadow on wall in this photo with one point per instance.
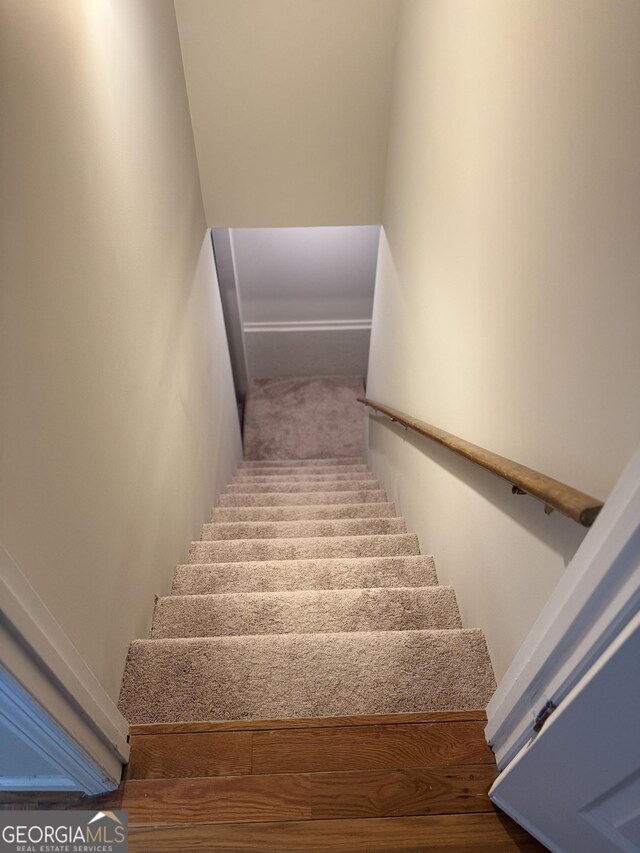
(556, 531)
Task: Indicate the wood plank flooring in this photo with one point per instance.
(370, 747)
(479, 833)
(378, 784)
(160, 756)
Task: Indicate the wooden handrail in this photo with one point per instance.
(555, 495)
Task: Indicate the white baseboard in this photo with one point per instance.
(309, 326)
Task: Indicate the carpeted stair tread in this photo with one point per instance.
(303, 528)
(306, 612)
(300, 463)
(302, 486)
(303, 549)
(309, 469)
(284, 575)
(305, 675)
(221, 515)
(303, 498)
(301, 478)
(306, 596)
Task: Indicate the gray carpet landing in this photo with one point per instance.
(306, 595)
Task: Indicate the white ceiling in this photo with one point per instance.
(290, 104)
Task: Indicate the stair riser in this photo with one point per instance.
(303, 498)
(309, 469)
(305, 478)
(295, 513)
(287, 575)
(301, 463)
(306, 612)
(303, 486)
(297, 529)
(305, 675)
(240, 550)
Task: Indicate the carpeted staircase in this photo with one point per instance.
(305, 597)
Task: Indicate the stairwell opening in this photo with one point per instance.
(296, 301)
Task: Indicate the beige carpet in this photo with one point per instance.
(305, 513)
(262, 470)
(248, 464)
(305, 675)
(294, 485)
(310, 475)
(307, 417)
(306, 612)
(276, 575)
(306, 595)
(295, 498)
(302, 528)
(225, 551)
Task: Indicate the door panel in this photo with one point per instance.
(576, 785)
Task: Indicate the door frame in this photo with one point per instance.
(50, 698)
(594, 600)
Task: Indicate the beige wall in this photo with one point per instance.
(508, 305)
(118, 414)
(290, 107)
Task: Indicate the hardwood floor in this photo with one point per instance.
(480, 833)
(401, 782)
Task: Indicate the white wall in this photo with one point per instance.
(307, 298)
(507, 302)
(315, 351)
(290, 107)
(118, 420)
(294, 274)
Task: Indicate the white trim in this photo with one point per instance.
(596, 597)
(224, 254)
(43, 663)
(234, 266)
(309, 326)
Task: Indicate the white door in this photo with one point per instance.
(576, 787)
(564, 722)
